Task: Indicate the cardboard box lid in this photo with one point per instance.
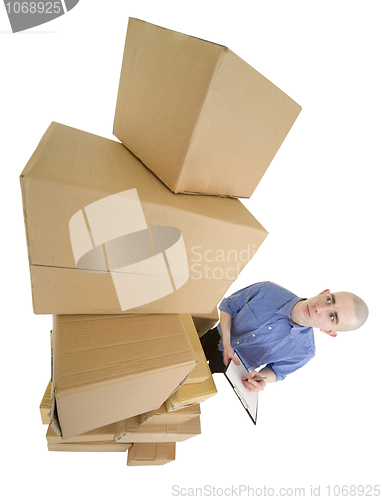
(201, 371)
(45, 405)
(107, 368)
(131, 431)
(191, 394)
(151, 453)
(204, 322)
(230, 120)
(106, 236)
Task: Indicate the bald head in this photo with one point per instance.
(360, 312)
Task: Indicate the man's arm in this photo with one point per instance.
(257, 386)
(225, 327)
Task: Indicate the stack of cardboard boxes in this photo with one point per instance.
(133, 244)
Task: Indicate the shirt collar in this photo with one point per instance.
(286, 311)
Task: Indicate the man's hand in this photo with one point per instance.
(253, 385)
(229, 353)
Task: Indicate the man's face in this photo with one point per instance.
(326, 311)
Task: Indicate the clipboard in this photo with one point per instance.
(249, 400)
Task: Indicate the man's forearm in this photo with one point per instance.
(225, 327)
(269, 373)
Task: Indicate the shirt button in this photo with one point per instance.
(237, 342)
(253, 335)
(270, 328)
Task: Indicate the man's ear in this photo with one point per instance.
(325, 291)
(332, 333)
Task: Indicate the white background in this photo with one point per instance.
(320, 200)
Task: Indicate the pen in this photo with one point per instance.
(254, 378)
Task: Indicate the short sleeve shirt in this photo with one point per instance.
(262, 331)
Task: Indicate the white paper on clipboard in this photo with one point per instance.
(249, 400)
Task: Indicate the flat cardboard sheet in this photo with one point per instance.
(162, 416)
(131, 431)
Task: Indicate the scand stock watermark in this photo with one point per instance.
(218, 264)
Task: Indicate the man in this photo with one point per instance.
(268, 325)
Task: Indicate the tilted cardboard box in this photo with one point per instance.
(201, 118)
(106, 236)
(130, 431)
(151, 454)
(109, 368)
(162, 416)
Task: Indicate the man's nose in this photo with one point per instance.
(318, 308)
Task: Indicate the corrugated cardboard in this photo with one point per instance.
(106, 236)
(162, 416)
(204, 322)
(201, 371)
(151, 453)
(101, 434)
(201, 118)
(108, 368)
(130, 431)
(89, 447)
(99, 440)
(191, 394)
(45, 405)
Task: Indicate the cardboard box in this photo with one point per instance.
(45, 405)
(106, 236)
(108, 368)
(99, 440)
(130, 431)
(201, 118)
(151, 453)
(191, 394)
(204, 322)
(101, 434)
(162, 416)
(201, 372)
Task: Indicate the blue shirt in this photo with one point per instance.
(262, 331)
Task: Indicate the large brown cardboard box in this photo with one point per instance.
(109, 368)
(162, 416)
(131, 431)
(151, 453)
(106, 236)
(201, 118)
